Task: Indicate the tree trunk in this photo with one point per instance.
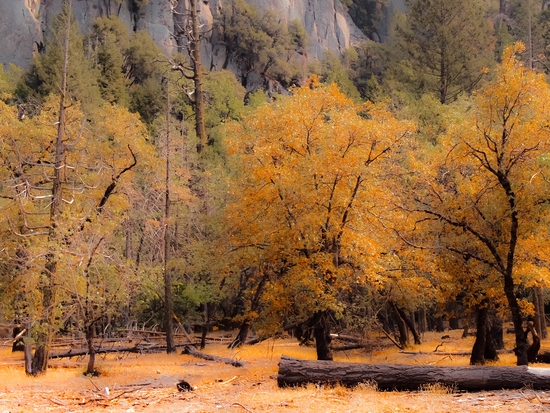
(294, 372)
(454, 308)
(90, 330)
(28, 352)
(497, 332)
(508, 273)
(246, 324)
(533, 350)
(453, 323)
(521, 341)
(205, 326)
(439, 325)
(478, 350)
(490, 352)
(402, 327)
(41, 354)
(39, 362)
(242, 335)
(321, 332)
(422, 321)
(502, 7)
(168, 298)
(540, 316)
(466, 328)
(197, 77)
(409, 322)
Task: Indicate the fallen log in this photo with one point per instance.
(293, 372)
(80, 352)
(448, 353)
(343, 337)
(138, 348)
(192, 352)
(543, 357)
(351, 347)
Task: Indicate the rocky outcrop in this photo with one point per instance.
(326, 22)
(24, 24)
(20, 31)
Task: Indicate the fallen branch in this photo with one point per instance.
(192, 352)
(399, 346)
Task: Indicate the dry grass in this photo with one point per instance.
(147, 383)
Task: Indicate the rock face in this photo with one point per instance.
(24, 23)
(20, 32)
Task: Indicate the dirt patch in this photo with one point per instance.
(140, 383)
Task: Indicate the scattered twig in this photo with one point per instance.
(91, 381)
(229, 381)
(238, 404)
(124, 392)
(448, 356)
(439, 345)
(55, 400)
(530, 399)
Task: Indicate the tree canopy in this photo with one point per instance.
(311, 162)
(368, 190)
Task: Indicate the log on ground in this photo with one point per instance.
(293, 372)
(138, 348)
(192, 352)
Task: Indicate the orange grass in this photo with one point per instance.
(147, 383)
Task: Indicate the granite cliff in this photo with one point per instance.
(24, 24)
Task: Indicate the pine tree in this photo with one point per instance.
(449, 43)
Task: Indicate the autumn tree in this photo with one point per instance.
(448, 43)
(8, 81)
(302, 202)
(479, 199)
(48, 170)
(100, 157)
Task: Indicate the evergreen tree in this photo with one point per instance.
(264, 43)
(44, 76)
(111, 40)
(449, 42)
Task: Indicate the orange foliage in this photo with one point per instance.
(478, 202)
(306, 194)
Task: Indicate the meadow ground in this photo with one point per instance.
(147, 383)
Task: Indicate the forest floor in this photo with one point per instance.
(147, 383)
